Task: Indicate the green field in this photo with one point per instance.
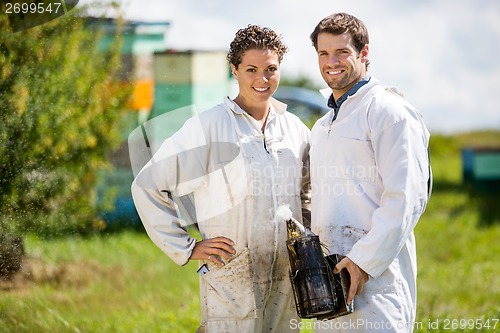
(122, 283)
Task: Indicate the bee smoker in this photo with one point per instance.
(342, 281)
(317, 291)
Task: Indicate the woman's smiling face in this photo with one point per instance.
(258, 76)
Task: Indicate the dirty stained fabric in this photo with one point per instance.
(369, 178)
(236, 178)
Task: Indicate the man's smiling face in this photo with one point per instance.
(340, 64)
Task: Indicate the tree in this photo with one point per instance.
(60, 108)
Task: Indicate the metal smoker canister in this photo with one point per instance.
(342, 281)
(318, 292)
(310, 275)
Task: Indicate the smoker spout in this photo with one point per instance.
(294, 228)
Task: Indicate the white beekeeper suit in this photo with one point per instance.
(369, 179)
(236, 177)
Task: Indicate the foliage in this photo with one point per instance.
(302, 81)
(60, 110)
(11, 255)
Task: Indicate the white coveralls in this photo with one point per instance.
(236, 177)
(369, 181)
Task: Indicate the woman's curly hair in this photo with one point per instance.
(255, 37)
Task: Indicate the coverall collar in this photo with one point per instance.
(335, 105)
(276, 106)
(332, 103)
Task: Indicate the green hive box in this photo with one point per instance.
(189, 78)
(481, 168)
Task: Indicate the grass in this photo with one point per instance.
(123, 283)
(119, 283)
(457, 251)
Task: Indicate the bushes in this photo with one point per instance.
(11, 254)
(60, 110)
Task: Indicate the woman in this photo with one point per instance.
(236, 163)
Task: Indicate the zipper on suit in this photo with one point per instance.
(334, 116)
(265, 145)
(275, 205)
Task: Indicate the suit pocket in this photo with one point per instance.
(387, 283)
(230, 292)
(356, 160)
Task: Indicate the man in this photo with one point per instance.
(370, 177)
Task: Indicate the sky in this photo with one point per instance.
(443, 55)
